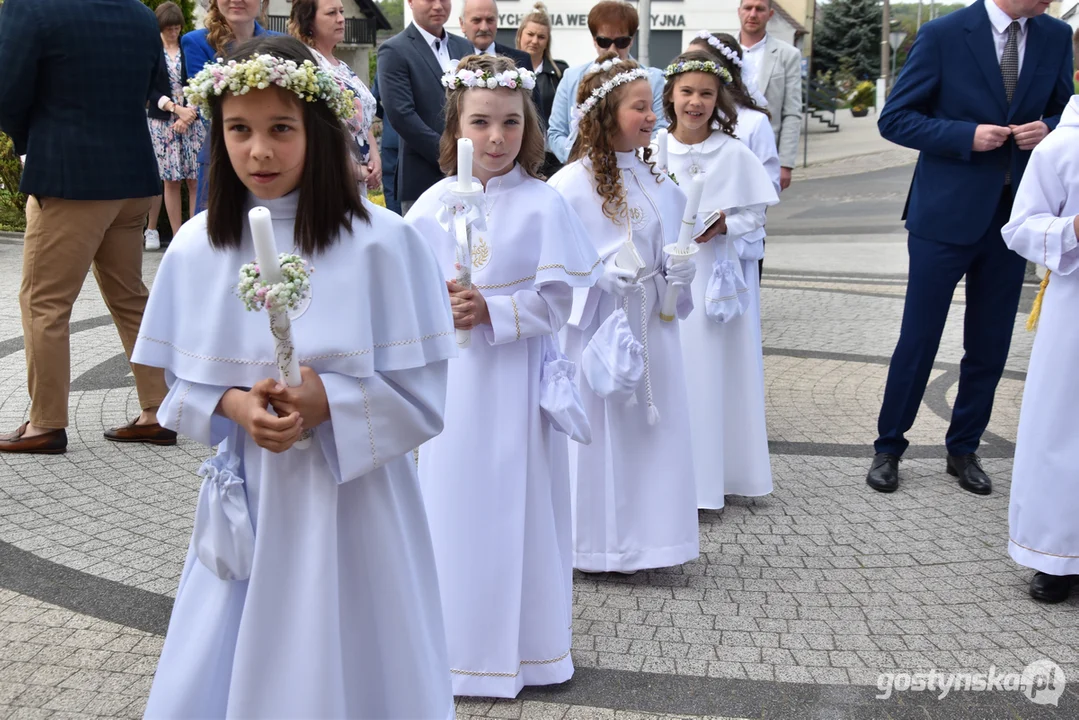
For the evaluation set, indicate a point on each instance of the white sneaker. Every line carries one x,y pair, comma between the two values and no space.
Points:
153,239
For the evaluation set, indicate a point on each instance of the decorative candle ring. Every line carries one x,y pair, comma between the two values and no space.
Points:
289,294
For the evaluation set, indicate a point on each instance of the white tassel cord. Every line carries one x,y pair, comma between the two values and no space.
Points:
653,411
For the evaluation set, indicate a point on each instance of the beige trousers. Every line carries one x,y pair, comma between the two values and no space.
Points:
64,239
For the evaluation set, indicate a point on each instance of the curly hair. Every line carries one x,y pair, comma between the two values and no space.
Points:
737,89
301,21
597,131
532,153
724,112
218,33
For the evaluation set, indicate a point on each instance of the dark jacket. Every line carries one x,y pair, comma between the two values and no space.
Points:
520,57
950,84
76,75
410,81
546,87
162,86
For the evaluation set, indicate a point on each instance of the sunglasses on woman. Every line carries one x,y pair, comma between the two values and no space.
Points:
619,42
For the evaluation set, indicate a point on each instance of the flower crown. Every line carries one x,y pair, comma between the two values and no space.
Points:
601,67
699,66
724,50
511,79
605,89
258,72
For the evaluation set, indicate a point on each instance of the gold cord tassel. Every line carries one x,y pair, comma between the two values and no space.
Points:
1036,309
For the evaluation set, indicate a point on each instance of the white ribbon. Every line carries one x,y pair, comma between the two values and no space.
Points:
475,211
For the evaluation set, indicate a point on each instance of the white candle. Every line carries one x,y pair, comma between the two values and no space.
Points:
661,147
265,246
464,165
689,218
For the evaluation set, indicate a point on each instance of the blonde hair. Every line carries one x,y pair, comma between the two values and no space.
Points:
540,17
531,155
597,131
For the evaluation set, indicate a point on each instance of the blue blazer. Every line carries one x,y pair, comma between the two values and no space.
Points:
951,83
76,75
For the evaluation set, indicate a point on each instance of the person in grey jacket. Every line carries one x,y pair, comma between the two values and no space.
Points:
775,67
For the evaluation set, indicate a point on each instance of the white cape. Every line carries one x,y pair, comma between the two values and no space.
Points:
634,501
496,482
1042,517
724,364
340,616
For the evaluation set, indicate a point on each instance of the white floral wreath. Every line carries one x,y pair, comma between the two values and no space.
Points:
307,80
511,79
699,66
724,50
605,89
601,67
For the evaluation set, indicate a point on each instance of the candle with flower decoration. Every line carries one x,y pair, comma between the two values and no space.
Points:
278,284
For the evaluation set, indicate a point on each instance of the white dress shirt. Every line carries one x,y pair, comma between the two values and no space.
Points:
1000,22
442,51
489,51
752,57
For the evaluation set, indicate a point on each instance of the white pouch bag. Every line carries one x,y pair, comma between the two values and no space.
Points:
560,400
726,295
224,537
613,360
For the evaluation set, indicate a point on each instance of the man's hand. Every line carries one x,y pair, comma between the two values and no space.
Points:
1028,136
990,137
784,178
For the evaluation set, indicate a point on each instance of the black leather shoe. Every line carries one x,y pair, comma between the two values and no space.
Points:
884,473
1050,588
968,468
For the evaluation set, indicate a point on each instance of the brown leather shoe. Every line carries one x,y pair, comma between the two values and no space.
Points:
52,442
151,434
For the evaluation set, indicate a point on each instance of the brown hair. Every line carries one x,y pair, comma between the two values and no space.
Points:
328,198
737,89
169,15
613,12
598,129
724,113
540,17
301,21
532,154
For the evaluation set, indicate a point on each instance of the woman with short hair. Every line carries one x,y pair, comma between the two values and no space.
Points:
320,24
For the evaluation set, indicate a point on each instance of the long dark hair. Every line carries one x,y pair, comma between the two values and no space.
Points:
724,113
328,198
737,89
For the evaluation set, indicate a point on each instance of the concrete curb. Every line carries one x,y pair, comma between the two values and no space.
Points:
6,235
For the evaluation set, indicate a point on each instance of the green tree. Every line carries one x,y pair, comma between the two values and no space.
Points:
849,29
187,6
394,10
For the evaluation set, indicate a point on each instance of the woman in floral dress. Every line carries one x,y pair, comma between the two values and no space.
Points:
320,24
176,132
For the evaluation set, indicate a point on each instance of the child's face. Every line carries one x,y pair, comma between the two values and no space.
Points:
494,121
635,117
695,99
265,140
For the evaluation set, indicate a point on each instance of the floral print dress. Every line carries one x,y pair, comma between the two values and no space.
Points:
177,153
359,126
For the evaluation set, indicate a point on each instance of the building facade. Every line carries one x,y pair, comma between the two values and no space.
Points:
674,23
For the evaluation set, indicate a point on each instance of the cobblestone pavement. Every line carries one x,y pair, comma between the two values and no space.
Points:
798,602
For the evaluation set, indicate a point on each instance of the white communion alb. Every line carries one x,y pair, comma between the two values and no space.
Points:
340,616
1042,517
634,499
496,482
724,364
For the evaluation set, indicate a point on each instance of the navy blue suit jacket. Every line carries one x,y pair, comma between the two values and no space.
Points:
410,80
951,83
73,88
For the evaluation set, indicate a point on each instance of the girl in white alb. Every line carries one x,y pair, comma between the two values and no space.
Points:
722,345
635,502
496,481
310,588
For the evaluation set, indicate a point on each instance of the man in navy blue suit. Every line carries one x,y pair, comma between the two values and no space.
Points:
981,88
76,76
